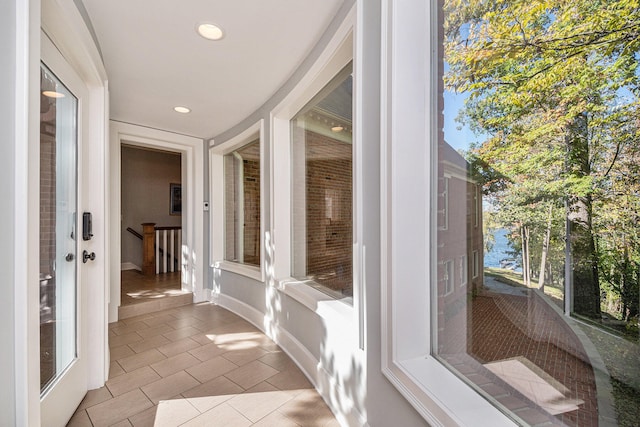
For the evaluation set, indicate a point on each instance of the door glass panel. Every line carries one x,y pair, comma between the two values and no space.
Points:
58,200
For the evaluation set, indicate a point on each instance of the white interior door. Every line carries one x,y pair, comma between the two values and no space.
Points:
63,341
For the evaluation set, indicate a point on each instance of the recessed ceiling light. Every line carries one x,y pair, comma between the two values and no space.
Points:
337,129
52,94
183,110
210,31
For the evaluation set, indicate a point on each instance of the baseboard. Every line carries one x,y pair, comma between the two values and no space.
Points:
129,266
321,380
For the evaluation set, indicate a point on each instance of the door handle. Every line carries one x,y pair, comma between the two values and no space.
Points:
69,257
88,256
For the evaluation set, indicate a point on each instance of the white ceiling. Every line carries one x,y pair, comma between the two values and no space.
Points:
155,60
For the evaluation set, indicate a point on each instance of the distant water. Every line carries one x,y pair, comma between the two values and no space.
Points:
500,250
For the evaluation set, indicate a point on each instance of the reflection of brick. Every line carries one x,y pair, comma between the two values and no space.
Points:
329,212
503,329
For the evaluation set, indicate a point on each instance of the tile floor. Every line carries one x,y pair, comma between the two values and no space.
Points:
199,365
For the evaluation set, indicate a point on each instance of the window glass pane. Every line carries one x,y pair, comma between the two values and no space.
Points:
322,189
58,230
537,186
242,204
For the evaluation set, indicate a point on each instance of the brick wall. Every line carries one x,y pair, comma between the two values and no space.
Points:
459,236
250,158
252,212
47,203
329,216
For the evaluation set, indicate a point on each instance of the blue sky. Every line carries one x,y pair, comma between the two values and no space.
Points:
457,138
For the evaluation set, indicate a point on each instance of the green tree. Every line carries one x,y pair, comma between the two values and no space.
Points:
548,82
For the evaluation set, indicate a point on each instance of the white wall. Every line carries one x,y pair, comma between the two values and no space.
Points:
341,356
7,216
19,107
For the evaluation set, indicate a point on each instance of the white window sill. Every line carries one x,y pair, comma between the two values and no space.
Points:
317,301
441,397
250,271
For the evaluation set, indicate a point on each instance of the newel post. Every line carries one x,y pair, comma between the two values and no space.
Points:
148,251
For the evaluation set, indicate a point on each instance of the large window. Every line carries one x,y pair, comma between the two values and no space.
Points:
242,204
529,137
537,155
322,189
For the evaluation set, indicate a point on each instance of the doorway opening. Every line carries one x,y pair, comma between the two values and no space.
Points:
151,231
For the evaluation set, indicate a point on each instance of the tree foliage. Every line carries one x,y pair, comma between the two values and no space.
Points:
554,86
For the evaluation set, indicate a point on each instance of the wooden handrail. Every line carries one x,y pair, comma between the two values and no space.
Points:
135,233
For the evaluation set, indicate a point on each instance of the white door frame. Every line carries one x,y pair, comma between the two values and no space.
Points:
192,151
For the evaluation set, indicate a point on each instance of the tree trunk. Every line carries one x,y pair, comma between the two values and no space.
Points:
526,260
586,298
545,250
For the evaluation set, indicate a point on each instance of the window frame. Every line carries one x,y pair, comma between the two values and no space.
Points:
335,81
449,276
341,50
475,264
409,221
217,152
464,270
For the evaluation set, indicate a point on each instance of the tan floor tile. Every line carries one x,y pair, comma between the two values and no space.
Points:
118,408
332,423
220,386
145,418
149,343
203,339
156,319
120,340
134,319
155,330
222,415
139,360
211,369
236,327
115,369
93,397
172,413
291,379
257,405
261,388
276,419
120,352
177,347
183,322
278,360
206,352
132,380
130,328
179,334
80,419
169,386
174,364
204,403
307,409
251,374
242,357
124,423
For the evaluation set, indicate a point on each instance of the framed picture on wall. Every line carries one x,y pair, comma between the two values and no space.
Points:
175,199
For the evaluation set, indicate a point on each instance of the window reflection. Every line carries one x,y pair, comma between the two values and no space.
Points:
322,188
537,186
